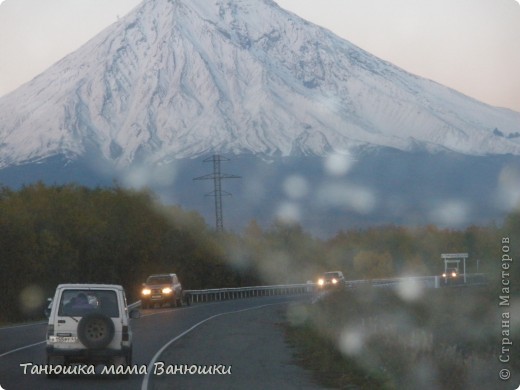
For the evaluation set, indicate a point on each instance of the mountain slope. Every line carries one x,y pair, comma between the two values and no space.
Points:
183,78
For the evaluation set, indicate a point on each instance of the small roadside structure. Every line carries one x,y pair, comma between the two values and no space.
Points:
452,261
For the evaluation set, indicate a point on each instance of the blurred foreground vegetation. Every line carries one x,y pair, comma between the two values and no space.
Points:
374,338
73,234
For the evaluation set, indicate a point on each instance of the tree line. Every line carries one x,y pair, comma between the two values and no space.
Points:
74,234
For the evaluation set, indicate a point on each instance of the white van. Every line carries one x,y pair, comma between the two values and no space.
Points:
89,323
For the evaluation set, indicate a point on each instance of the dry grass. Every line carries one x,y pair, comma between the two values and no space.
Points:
372,338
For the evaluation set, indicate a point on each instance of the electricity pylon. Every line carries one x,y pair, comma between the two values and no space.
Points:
217,192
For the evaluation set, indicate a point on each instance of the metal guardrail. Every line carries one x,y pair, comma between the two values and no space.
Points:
196,296
221,294
422,281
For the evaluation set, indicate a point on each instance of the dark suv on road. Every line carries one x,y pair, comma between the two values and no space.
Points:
161,289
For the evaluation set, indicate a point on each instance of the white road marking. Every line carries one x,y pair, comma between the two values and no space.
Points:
23,325
146,379
19,349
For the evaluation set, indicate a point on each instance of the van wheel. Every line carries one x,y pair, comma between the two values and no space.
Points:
95,330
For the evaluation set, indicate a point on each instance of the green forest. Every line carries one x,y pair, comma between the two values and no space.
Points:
74,234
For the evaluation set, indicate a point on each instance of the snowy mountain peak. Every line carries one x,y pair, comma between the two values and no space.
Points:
182,78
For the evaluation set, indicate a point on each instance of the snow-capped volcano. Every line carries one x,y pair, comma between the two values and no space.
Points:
183,78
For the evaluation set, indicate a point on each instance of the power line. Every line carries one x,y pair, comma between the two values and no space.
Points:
217,192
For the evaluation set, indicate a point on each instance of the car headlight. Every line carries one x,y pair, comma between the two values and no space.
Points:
167,290
453,274
334,281
146,291
321,282
444,275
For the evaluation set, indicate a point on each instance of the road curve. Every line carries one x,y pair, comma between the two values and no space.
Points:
152,332
241,350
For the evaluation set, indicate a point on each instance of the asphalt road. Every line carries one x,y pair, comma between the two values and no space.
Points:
152,334
242,350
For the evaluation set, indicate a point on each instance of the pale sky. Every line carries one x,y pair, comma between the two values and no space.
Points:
469,45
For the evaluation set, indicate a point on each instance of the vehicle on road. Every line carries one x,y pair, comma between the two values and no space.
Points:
89,323
332,279
161,289
451,275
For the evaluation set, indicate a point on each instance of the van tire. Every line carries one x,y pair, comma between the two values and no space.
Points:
96,330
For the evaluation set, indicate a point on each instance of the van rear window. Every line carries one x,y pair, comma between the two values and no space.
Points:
78,303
